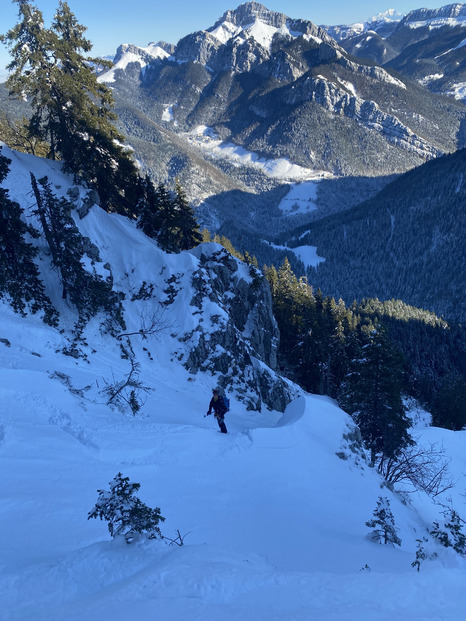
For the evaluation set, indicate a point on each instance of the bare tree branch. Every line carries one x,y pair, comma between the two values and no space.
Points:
152,323
425,468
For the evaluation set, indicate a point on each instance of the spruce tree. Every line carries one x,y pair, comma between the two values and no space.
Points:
188,234
383,523
72,111
87,291
374,397
167,236
127,516
150,209
19,276
450,533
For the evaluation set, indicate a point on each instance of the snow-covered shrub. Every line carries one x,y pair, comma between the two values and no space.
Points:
127,516
422,554
383,523
450,534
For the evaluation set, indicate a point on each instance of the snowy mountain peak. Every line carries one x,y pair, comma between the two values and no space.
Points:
250,12
253,20
392,15
128,53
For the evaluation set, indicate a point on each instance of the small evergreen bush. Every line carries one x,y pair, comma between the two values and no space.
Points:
127,515
383,523
450,534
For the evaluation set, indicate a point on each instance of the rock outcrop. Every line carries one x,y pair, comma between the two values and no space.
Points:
237,336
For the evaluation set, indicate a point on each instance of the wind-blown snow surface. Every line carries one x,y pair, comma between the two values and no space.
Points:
273,520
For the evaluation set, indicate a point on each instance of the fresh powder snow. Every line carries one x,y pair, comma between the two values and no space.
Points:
272,514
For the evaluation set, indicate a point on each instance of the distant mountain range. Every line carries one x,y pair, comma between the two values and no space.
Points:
427,45
285,88
272,123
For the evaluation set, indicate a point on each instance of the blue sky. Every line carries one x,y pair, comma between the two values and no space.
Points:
111,22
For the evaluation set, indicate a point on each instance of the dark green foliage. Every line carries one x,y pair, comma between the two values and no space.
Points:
328,349
373,396
449,409
168,219
72,111
407,242
88,292
434,352
450,534
19,275
127,515
150,207
322,343
187,229
316,332
383,523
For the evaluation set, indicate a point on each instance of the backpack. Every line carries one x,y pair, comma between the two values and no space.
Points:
226,402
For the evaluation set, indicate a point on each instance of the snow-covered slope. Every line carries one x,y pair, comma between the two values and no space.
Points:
272,514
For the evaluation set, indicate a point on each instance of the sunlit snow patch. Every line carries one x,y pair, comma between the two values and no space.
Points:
258,30
307,254
205,138
167,114
430,78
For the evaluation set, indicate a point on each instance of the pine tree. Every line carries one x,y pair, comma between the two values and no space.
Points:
72,111
374,397
187,229
87,291
127,515
450,533
19,275
383,523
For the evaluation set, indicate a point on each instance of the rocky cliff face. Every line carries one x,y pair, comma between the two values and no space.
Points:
237,335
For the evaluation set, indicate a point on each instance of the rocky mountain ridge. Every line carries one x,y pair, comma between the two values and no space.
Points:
427,45
278,88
